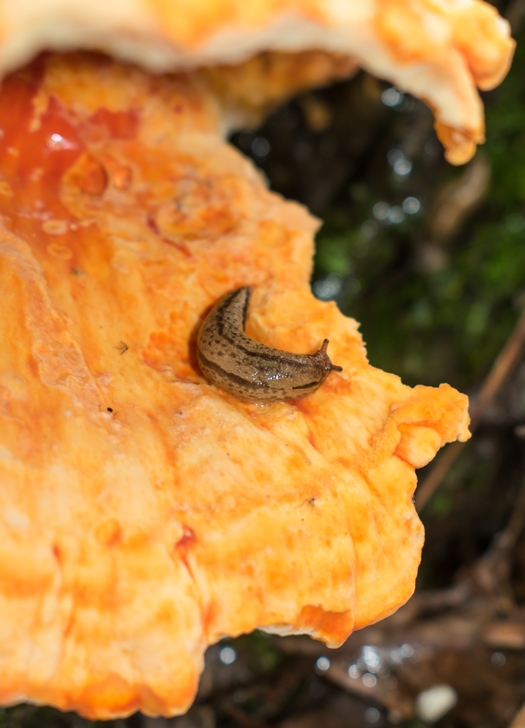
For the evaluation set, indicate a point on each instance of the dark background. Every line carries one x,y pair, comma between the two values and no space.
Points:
431,260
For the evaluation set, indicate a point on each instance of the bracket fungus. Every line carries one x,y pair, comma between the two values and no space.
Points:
146,513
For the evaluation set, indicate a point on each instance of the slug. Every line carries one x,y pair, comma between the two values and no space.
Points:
248,369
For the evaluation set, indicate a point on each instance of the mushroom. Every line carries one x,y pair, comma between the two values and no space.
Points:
147,513
439,51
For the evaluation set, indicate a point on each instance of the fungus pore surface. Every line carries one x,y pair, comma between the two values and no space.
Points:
439,50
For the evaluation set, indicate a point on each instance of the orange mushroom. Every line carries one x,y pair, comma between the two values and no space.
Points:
146,513
436,50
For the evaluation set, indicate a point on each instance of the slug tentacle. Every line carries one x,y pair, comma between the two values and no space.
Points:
333,367
248,369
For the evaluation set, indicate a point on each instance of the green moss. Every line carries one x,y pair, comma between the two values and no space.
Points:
446,321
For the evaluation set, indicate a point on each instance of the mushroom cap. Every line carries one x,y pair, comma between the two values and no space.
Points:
141,518
438,50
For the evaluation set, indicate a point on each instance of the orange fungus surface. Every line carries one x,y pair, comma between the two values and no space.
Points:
145,513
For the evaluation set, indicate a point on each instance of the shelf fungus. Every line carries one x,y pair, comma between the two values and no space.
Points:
147,513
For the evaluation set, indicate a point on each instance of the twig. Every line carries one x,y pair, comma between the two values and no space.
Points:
426,490
240,717
519,719
456,201
491,572
505,362
512,532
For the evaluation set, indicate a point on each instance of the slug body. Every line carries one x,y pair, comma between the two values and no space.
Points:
248,369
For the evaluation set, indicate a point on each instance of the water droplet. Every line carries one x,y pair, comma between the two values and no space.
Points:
391,97
381,210
323,663
411,205
369,680
260,147
407,650
354,672
57,141
371,658
328,288
394,155
372,715
396,656
395,215
227,655
498,659
402,167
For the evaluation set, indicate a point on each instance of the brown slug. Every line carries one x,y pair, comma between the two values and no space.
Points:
248,369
